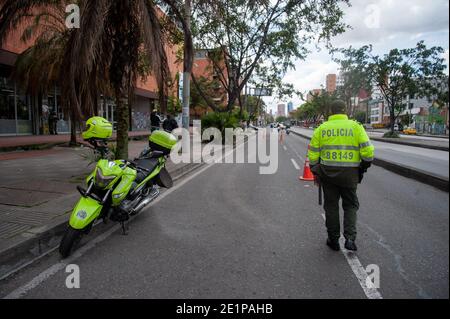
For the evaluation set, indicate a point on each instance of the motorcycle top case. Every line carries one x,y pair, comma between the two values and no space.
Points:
162,141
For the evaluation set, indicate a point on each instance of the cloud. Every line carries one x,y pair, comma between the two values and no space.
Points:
380,21
308,75
386,24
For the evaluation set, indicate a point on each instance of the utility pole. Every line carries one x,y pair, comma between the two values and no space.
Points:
186,73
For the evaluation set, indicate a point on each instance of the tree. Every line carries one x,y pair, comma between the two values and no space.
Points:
306,112
355,77
175,9
246,35
316,108
254,106
106,47
360,117
197,104
38,68
281,119
400,73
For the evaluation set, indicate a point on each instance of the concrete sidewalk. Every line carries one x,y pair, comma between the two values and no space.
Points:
11,143
37,195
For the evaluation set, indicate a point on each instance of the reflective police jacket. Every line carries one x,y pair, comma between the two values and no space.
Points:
339,145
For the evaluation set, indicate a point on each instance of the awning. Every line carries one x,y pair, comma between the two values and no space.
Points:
146,93
7,58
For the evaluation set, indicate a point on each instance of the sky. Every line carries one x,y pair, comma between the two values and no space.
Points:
386,24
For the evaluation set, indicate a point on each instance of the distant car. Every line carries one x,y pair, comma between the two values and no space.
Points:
396,127
410,131
368,126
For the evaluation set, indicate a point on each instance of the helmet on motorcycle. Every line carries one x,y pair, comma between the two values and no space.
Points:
97,128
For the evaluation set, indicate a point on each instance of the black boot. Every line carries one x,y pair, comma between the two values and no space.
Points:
350,245
333,244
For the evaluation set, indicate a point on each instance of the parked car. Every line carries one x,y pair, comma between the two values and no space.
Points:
410,131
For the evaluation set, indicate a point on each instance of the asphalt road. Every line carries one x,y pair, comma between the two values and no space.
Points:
432,161
229,232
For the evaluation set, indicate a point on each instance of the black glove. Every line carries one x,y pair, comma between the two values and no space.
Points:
365,165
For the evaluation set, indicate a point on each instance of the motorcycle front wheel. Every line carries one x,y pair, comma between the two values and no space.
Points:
69,241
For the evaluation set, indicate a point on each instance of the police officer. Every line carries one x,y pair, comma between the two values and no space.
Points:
155,120
339,151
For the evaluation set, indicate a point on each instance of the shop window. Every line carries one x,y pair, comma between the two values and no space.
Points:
7,111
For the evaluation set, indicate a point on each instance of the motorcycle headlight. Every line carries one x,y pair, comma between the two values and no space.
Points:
102,180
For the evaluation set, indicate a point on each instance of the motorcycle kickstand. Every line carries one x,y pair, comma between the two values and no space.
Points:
125,228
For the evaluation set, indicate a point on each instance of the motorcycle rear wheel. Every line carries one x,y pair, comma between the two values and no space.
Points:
70,241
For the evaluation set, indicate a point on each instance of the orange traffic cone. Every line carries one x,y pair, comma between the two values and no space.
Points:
307,174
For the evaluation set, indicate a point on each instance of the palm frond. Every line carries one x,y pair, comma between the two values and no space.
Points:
154,46
86,53
14,12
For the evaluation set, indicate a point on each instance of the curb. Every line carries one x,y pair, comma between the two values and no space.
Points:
30,147
301,135
45,239
406,171
414,173
393,141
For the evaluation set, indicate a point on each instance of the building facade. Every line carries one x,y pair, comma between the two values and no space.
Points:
24,114
281,109
290,107
331,82
203,69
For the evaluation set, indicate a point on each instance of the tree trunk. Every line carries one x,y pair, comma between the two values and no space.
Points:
73,128
367,113
123,119
392,119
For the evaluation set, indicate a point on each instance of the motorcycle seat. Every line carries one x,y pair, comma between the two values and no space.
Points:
149,164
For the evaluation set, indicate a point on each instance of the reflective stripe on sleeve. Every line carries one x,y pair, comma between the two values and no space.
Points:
365,144
367,159
314,149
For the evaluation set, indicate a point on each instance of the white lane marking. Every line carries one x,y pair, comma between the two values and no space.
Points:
295,164
52,270
296,153
284,147
46,274
359,271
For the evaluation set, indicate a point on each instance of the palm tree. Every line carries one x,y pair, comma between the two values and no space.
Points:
38,69
106,47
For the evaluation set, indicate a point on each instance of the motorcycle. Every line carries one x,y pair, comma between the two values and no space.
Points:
118,189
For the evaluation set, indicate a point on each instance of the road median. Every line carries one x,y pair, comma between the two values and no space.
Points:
420,144
439,182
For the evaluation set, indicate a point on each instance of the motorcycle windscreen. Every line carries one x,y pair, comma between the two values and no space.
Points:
164,179
85,212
